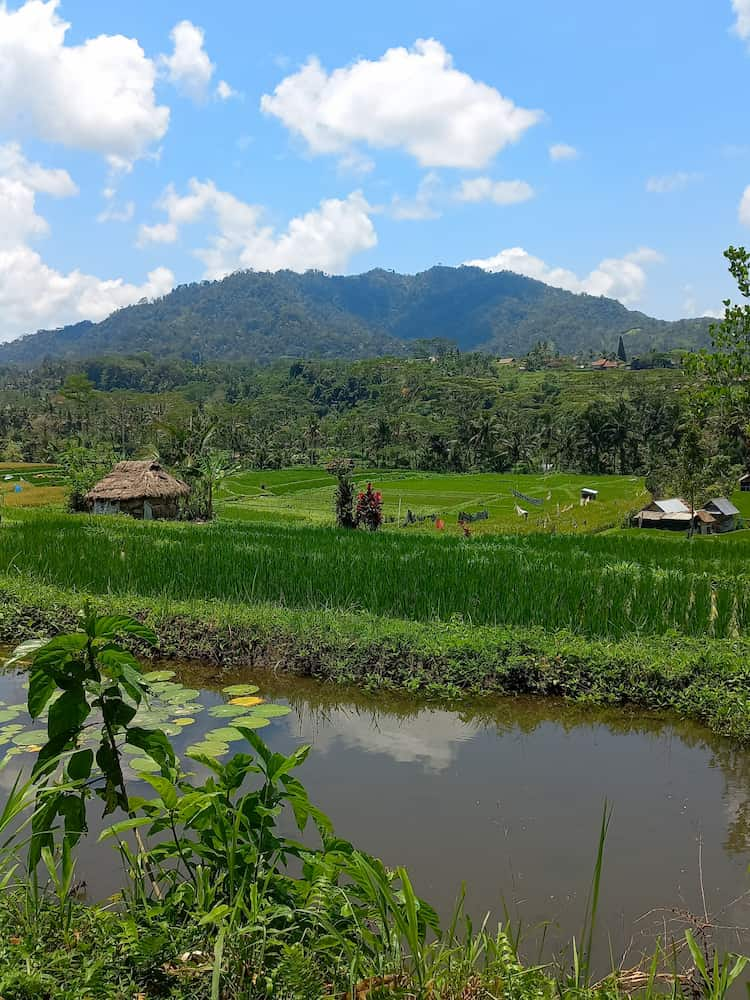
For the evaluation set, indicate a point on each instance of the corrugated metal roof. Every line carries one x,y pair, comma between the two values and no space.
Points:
724,506
673,506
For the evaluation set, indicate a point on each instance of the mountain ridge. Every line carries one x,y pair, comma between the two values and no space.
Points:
261,316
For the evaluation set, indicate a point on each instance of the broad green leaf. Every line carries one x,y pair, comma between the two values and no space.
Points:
80,764
115,625
251,722
32,738
225,734
152,742
226,711
143,764
68,713
41,688
271,711
163,788
158,675
123,827
237,690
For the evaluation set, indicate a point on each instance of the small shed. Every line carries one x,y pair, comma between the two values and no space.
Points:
141,489
723,512
745,483
672,514
588,494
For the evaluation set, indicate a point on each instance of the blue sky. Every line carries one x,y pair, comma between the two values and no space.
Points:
601,147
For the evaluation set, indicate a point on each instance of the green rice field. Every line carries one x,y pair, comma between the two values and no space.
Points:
306,495
610,585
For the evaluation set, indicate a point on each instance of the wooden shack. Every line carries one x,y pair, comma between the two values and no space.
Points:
141,489
723,512
672,514
745,483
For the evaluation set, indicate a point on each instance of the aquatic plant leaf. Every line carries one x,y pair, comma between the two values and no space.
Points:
252,721
225,711
237,690
225,734
144,764
271,711
246,701
184,721
158,675
6,714
209,749
30,738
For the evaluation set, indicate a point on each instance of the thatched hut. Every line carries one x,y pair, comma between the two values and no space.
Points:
141,489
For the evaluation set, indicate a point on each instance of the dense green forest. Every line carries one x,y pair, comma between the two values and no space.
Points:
259,316
458,413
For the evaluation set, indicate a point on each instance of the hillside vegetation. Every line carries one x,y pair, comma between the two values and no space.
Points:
262,316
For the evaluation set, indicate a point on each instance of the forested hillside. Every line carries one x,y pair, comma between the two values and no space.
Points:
259,316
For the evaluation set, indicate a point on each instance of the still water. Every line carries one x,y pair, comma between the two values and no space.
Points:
507,796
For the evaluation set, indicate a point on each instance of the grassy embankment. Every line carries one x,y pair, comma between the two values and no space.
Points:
625,618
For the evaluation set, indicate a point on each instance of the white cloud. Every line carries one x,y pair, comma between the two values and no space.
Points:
97,96
744,209
742,12
114,214
15,166
562,151
324,238
622,278
422,205
409,98
499,192
32,294
189,67
224,91
671,182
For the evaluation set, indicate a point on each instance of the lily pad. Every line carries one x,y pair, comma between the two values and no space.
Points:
271,711
225,734
184,721
144,764
154,676
251,721
246,701
225,711
237,690
209,749
32,738
6,714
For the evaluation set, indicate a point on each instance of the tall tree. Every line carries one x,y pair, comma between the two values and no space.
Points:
621,355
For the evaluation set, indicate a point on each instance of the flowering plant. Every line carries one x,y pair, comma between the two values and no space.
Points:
369,511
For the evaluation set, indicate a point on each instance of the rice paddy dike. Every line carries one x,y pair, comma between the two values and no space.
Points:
628,618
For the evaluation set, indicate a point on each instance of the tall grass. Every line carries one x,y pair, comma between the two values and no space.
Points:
607,586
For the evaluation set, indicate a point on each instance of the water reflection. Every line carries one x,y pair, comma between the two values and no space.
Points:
507,795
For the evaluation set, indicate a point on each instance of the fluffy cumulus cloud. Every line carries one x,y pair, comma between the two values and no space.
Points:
32,294
563,151
666,183
97,96
622,278
188,67
744,210
414,99
742,18
499,192
324,238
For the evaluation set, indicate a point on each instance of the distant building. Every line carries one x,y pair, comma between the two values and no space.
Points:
141,489
669,515
715,517
588,494
745,483
603,365
723,512
505,361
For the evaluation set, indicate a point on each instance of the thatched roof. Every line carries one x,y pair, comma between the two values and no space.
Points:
136,481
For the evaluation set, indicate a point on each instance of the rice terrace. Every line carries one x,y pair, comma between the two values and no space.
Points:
374,501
